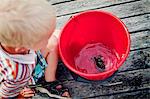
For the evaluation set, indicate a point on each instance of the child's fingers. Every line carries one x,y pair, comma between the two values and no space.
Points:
27,92
29,95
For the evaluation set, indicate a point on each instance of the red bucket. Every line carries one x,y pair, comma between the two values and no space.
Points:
93,27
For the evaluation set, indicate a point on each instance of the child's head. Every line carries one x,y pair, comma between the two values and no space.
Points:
26,23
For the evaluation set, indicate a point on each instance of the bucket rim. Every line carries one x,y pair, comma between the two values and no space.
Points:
101,73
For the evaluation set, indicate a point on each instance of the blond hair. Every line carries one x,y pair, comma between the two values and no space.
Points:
24,23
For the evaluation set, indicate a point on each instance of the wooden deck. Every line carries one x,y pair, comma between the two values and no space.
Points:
133,78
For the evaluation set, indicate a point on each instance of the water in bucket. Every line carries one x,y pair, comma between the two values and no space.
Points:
96,58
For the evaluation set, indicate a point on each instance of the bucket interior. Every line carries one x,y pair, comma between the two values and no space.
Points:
89,28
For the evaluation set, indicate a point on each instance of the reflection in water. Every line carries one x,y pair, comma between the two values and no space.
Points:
95,58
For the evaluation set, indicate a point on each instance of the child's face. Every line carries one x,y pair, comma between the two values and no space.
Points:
21,50
14,50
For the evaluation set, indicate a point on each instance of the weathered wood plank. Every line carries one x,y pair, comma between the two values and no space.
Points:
82,5
122,11
124,82
139,59
129,9
135,23
141,94
58,1
140,40
130,81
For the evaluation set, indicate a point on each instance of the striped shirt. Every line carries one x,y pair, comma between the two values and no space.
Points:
15,72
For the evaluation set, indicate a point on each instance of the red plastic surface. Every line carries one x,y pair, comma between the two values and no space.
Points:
92,27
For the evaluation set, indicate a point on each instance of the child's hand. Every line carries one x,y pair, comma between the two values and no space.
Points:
27,93
52,43
57,33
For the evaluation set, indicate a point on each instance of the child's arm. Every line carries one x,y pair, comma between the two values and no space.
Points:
50,54
53,41
50,47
